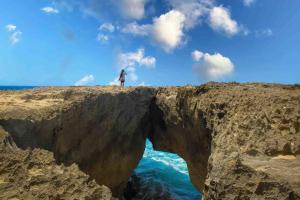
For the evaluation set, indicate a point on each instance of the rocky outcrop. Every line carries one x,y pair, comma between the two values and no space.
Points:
102,129
34,174
240,141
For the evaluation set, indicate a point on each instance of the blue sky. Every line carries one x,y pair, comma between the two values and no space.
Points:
158,42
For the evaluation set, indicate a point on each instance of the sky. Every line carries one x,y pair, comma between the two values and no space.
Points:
157,42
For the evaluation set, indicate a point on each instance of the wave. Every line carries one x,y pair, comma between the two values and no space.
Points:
162,175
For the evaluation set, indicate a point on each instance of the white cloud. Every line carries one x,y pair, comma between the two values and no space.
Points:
105,30
133,59
138,30
133,9
148,61
194,10
213,66
107,27
102,38
11,27
197,55
130,61
15,37
168,30
220,20
248,2
85,80
50,10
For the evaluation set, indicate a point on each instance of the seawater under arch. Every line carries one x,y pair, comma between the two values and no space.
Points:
162,175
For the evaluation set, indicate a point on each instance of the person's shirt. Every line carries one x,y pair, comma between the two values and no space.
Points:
122,76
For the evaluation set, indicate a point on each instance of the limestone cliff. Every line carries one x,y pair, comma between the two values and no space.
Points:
240,141
101,128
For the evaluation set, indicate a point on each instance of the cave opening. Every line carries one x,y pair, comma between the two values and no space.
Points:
160,175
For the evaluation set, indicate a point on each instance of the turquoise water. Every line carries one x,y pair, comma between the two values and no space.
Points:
162,175
165,172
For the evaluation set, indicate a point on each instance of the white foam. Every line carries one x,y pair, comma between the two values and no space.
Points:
168,159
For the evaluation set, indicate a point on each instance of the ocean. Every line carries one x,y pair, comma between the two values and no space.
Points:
161,176
164,173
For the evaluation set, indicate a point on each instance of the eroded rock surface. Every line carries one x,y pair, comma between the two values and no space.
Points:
240,141
34,174
102,129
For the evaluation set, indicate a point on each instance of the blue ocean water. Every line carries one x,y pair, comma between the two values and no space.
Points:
163,175
16,87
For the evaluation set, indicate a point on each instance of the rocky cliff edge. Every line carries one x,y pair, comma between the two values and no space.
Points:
240,141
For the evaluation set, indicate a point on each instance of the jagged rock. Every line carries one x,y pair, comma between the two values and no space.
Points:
139,187
99,128
33,174
240,141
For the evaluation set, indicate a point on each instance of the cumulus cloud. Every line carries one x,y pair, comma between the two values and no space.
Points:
109,27
213,66
130,61
11,27
248,2
137,30
85,80
133,9
15,35
138,58
194,10
106,30
197,55
50,10
168,29
220,20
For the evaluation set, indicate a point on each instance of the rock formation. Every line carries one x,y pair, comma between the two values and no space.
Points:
100,129
33,174
240,141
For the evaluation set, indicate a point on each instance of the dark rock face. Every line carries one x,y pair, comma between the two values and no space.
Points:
139,188
240,141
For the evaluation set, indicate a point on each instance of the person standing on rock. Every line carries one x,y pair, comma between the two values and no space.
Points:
122,77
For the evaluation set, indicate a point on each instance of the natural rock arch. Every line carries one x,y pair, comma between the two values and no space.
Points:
227,133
